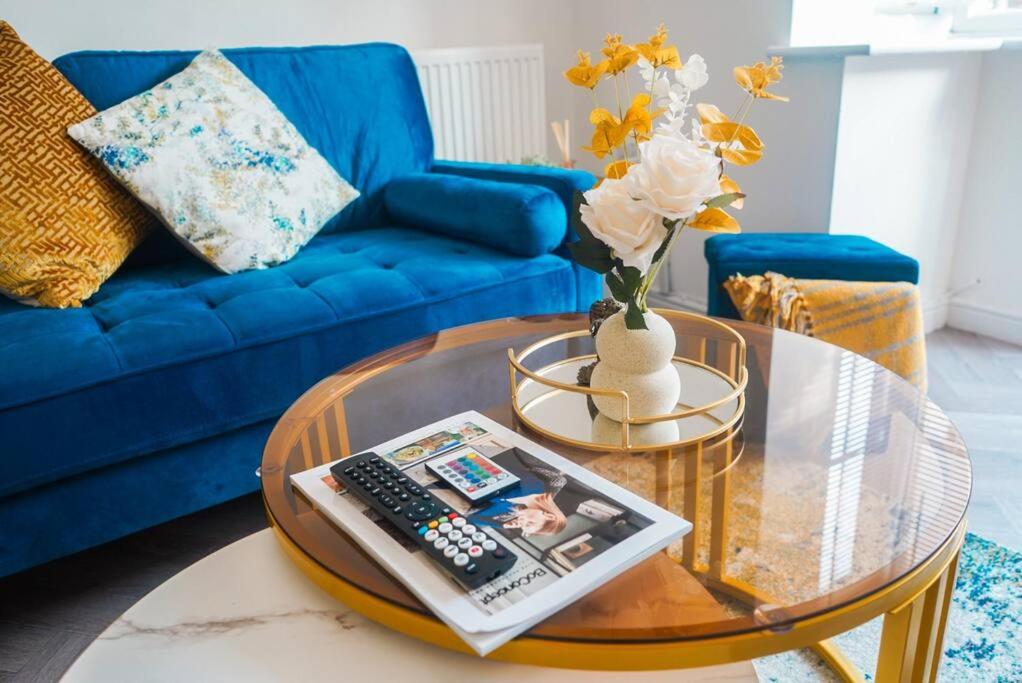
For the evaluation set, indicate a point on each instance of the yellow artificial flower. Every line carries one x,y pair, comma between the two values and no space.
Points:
619,56
616,169
756,78
727,186
608,132
584,73
639,118
739,144
655,52
714,220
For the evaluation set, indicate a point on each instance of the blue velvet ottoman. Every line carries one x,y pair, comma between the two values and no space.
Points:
802,255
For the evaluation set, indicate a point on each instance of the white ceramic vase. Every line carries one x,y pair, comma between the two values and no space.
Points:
638,362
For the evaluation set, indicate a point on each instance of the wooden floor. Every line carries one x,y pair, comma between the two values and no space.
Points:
48,615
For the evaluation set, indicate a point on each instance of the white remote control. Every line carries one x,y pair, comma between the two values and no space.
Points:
471,474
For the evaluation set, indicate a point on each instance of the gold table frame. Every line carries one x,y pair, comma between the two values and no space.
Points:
914,607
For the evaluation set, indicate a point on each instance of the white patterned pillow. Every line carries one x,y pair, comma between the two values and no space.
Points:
217,161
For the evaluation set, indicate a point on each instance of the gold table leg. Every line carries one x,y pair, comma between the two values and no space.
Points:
912,640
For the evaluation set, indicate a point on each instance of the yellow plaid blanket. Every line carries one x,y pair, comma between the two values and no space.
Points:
880,320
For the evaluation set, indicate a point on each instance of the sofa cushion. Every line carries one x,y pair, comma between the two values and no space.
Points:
216,160
522,219
172,354
360,106
65,224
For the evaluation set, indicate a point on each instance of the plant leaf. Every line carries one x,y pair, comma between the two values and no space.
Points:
634,319
729,185
632,278
714,220
662,249
616,169
728,132
617,288
709,113
592,255
726,199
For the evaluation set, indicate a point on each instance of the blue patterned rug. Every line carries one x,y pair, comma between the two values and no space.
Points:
983,641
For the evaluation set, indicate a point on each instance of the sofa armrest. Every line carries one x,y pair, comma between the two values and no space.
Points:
562,181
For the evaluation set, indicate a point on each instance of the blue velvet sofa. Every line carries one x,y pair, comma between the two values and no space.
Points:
155,399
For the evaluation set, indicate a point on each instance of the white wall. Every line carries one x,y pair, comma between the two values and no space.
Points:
55,27
989,244
902,153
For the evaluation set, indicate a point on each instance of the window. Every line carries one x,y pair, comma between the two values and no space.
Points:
988,17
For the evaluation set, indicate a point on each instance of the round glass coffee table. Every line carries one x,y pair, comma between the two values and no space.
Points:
839,497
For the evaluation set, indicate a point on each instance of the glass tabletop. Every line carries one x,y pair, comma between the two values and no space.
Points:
839,480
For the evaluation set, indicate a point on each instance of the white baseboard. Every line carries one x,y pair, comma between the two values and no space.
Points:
680,300
985,321
935,314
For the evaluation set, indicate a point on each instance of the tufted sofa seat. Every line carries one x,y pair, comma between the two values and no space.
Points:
156,398
199,353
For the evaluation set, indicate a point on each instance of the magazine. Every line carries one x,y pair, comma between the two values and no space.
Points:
570,529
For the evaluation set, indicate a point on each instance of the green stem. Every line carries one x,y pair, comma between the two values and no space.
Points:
647,282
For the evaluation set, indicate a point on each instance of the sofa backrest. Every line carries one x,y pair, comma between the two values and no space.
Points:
359,105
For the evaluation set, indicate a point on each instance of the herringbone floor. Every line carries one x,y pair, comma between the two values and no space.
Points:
48,615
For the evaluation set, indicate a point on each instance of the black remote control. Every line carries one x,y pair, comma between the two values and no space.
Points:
464,551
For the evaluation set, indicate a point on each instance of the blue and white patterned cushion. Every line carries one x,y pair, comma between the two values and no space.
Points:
218,162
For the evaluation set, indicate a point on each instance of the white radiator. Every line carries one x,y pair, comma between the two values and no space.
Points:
485,103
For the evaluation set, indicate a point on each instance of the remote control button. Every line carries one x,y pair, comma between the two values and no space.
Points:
470,456
396,509
458,522
412,488
443,520
500,553
374,460
446,511
403,496
478,537
454,535
441,543
434,524
464,543
387,500
452,515
426,496
444,527
468,529
475,551
450,551
420,510
368,486
402,480
491,481
362,465
502,475
349,469
489,544
460,560
470,489
471,568
360,479
375,491
423,531
430,535
374,475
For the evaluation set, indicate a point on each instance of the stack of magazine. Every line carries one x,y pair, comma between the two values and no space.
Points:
600,531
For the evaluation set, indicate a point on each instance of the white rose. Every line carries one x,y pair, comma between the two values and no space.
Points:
693,75
623,224
674,177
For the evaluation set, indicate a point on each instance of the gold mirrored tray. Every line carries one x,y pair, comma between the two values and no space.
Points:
710,364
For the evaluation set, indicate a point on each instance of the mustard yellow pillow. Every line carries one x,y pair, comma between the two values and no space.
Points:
65,223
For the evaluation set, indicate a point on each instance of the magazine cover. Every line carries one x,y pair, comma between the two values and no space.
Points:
570,529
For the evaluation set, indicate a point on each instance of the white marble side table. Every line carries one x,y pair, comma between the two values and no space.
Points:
246,613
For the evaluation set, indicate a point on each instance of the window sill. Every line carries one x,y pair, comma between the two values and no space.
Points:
878,49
